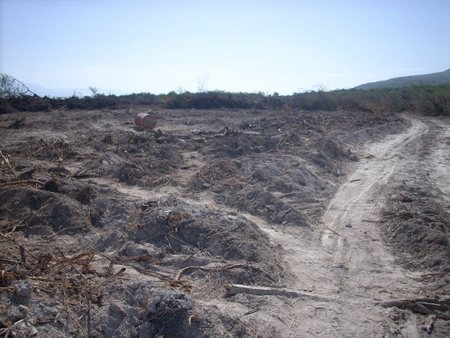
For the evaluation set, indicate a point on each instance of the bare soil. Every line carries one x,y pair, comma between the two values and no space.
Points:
111,231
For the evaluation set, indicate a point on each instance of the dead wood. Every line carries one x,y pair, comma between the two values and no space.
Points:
32,183
251,311
115,260
329,229
216,268
62,230
8,164
16,124
233,289
85,174
429,306
42,208
9,228
147,272
21,247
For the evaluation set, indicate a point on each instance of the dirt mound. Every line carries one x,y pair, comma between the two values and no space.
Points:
329,156
53,150
417,225
32,209
265,204
237,144
145,167
264,186
178,228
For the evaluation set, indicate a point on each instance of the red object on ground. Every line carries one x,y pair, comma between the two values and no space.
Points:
145,121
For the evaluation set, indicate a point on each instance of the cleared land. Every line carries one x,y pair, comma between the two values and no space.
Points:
225,222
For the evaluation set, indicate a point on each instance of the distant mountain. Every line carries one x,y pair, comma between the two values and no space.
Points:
435,79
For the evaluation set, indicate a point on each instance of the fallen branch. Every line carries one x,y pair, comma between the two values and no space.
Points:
42,208
8,163
21,247
188,268
25,182
329,229
85,174
427,306
11,228
147,272
17,123
370,221
218,268
251,311
233,289
62,230
115,260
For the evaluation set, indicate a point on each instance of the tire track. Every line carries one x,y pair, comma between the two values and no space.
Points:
347,261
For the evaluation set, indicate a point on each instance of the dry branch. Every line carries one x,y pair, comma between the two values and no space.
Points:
42,208
24,182
16,124
233,289
429,306
333,231
8,163
215,268
251,311
115,260
21,247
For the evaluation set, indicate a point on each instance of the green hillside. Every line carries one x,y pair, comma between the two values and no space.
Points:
434,79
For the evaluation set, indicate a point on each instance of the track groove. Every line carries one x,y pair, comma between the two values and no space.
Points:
346,260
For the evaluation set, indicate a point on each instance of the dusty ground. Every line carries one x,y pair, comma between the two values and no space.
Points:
111,231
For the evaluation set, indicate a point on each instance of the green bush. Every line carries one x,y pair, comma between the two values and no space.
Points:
431,100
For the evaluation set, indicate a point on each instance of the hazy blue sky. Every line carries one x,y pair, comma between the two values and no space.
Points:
159,46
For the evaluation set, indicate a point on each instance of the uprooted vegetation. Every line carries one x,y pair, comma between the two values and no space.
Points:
110,231
418,227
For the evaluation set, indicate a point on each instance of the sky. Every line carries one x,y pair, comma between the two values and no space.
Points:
126,46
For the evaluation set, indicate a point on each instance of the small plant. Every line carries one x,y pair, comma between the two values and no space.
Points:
94,91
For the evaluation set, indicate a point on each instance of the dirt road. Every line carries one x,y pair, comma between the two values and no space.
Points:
346,262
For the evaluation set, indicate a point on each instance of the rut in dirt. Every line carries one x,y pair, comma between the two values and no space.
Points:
353,214
346,261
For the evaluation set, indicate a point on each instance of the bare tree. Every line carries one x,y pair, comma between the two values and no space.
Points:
94,91
11,87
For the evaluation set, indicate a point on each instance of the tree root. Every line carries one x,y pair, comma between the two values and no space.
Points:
209,269
233,289
428,306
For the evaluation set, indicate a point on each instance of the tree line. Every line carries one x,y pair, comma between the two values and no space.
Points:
425,99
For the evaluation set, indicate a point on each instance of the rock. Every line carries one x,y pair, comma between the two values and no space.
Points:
353,158
23,288
147,329
116,310
168,299
135,249
32,331
24,329
24,309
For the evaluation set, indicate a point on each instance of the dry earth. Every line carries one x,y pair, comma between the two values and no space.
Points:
107,230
